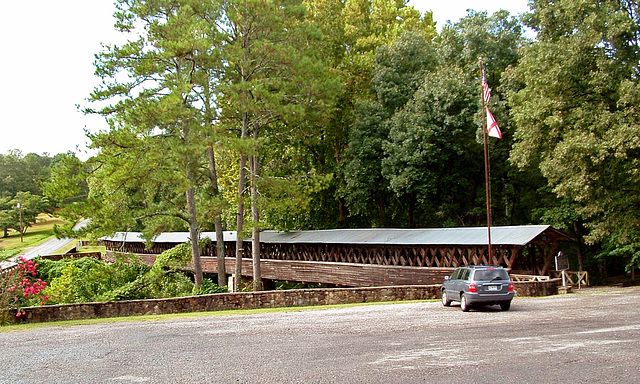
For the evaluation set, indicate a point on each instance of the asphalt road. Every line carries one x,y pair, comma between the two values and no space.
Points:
46,248
578,338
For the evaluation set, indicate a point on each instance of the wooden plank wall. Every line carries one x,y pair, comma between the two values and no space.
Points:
341,274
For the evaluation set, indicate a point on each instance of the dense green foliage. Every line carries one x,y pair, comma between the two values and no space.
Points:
334,113
90,280
574,99
21,183
413,156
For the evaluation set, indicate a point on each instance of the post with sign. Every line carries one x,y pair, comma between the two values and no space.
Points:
562,264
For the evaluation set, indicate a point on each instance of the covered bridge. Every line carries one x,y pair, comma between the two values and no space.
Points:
372,257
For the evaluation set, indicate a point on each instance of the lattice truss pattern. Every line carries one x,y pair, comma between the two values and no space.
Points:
538,258
405,256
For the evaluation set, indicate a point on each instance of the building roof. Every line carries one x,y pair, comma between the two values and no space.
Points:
503,235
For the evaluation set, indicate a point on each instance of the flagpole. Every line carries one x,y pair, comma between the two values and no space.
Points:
486,164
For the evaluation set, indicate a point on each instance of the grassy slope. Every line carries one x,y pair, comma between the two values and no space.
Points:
38,233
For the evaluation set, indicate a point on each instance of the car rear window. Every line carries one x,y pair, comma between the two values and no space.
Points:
491,274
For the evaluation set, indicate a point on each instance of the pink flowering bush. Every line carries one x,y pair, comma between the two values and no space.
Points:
20,287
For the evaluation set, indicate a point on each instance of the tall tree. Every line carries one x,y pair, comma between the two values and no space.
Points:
156,145
575,102
416,144
497,38
22,175
432,156
22,211
274,80
399,71
353,31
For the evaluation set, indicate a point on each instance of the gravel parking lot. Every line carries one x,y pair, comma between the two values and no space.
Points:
590,337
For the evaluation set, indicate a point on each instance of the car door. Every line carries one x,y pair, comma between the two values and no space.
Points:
451,285
458,284
463,280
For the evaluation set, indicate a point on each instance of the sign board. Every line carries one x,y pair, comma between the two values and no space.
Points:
562,262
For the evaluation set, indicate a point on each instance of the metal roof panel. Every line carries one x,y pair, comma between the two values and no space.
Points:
505,235
502,235
166,237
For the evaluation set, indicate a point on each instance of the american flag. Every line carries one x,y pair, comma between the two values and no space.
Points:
486,91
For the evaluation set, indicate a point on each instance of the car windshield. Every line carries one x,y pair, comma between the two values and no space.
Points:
491,274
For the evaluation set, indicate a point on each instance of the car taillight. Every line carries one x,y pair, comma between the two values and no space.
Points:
472,288
511,287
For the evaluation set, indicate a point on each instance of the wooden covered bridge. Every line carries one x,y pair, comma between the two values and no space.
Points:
369,257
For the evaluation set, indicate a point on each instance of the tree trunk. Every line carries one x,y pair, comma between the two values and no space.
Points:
344,212
240,224
21,227
255,215
240,219
411,221
220,247
194,237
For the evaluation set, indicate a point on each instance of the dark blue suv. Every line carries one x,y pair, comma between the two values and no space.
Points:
478,285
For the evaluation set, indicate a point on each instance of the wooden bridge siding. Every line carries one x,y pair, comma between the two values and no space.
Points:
345,264
401,256
405,256
345,274
158,248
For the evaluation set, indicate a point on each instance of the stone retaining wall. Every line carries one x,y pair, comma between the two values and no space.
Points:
253,300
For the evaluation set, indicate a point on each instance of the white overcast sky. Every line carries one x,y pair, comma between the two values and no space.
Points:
46,66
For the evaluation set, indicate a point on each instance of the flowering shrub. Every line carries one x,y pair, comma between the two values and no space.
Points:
20,287
91,280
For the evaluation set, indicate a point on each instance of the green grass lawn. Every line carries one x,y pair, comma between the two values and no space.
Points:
38,233
93,248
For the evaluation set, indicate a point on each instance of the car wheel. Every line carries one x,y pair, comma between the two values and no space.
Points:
463,304
445,300
505,306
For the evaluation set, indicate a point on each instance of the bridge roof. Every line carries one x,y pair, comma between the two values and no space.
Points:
165,237
503,235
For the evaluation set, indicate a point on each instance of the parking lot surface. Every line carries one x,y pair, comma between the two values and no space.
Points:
591,337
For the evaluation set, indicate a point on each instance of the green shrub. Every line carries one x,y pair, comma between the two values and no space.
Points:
88,279
63,288
208,287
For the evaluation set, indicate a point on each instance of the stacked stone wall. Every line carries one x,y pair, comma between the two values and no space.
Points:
254,300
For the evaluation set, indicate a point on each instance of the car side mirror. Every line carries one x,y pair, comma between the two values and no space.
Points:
446,278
